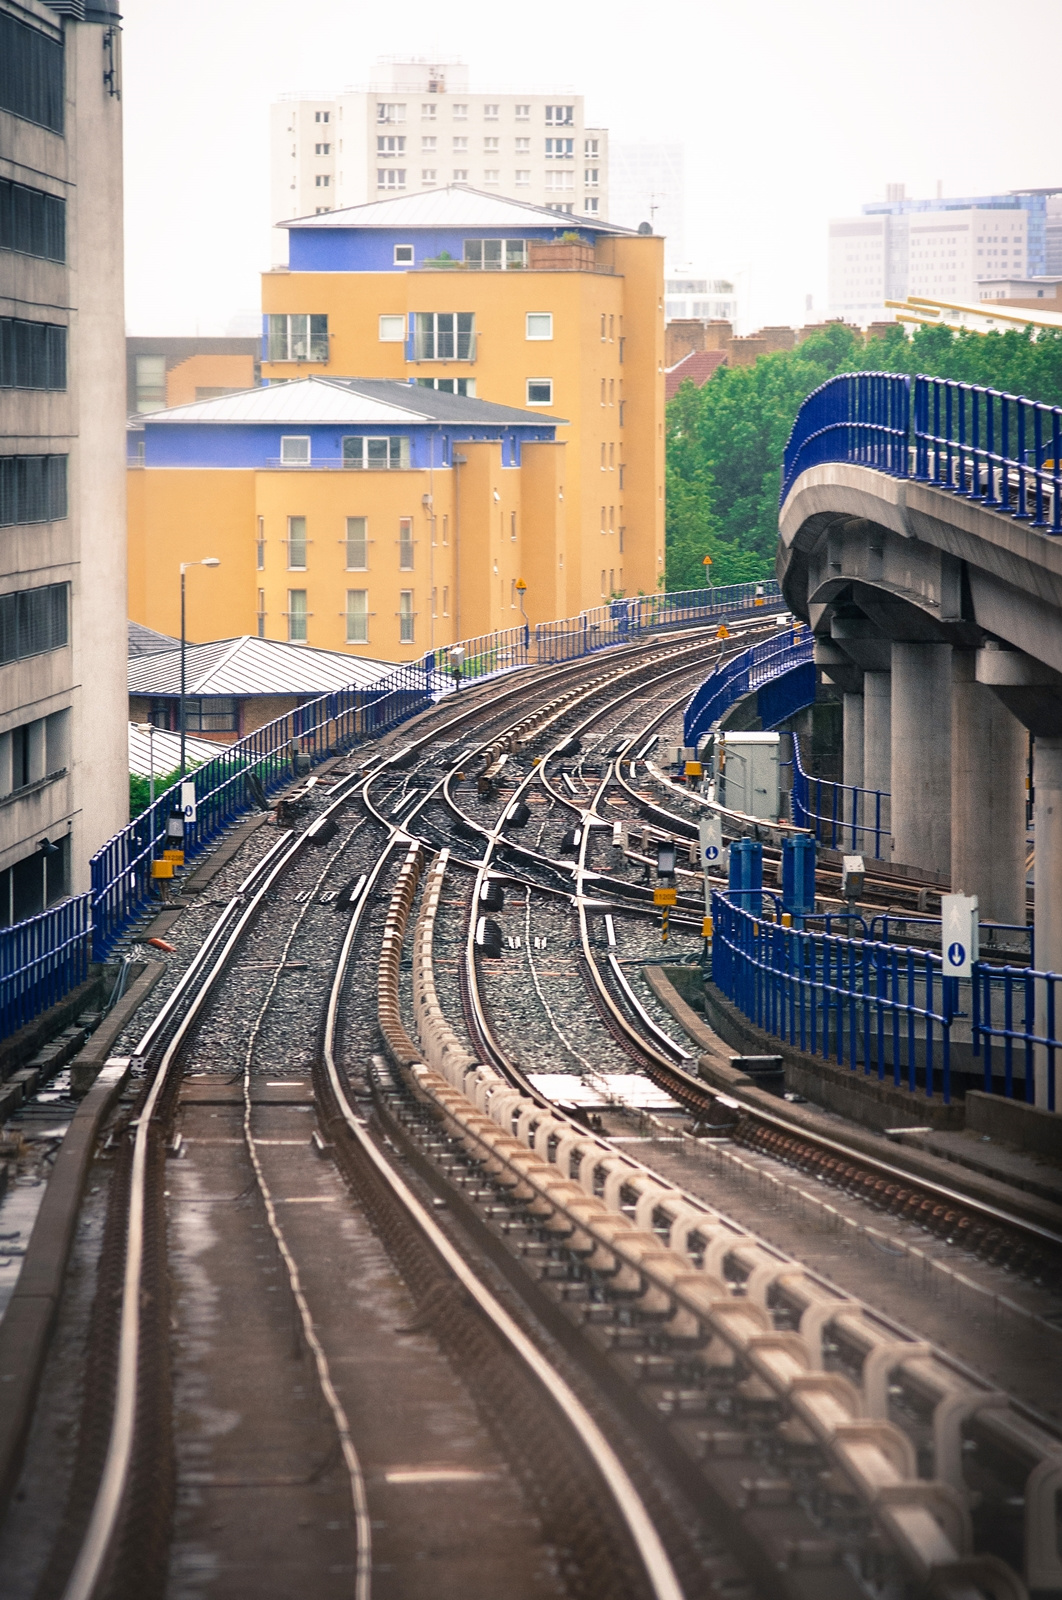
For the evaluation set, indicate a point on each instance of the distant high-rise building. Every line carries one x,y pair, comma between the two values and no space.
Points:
419,127
943,249
647,184
692,294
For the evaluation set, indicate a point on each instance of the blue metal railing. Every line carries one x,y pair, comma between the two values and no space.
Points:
840,815
883,1007
759,665
999,449
42,959
863,417
889,1008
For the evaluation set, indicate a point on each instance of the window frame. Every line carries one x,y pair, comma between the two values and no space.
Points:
315,334
397,335
353,544
538,316
406,545
407,618
287,460
296,543
297,615
353,617
398,452
541,382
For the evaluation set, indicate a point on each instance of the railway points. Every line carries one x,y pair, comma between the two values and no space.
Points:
436,1255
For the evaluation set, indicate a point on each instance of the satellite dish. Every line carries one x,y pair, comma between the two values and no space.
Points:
645,227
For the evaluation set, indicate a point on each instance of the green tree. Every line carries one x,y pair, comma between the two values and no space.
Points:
725,441
140,789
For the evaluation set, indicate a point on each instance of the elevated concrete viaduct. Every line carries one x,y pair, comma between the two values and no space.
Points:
940,619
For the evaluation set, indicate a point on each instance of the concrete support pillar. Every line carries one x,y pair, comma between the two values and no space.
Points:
988,748
853,740
1047,881
877,730
921,756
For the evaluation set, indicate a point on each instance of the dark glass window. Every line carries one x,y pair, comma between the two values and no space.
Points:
211,714
32,354
33,621
32,222
34,883
32,489
31,74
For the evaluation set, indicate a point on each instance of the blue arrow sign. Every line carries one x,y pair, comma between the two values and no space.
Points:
957,954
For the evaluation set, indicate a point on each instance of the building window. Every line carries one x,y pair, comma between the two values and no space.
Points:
405,544
460,144
322,116
297,615
540,391
591,176
429,144
390,177
523,147
32,222
603,583
427,111
465,386
259,546
391,144
322,180
523,178
512,527
460,175
295,450
560,149
357,544
612,458
622,533
491,175
297,544
604,519
321,211
322,149
211,714
622,474
405,616
590,150
491,144
540,324
590,205
560,116
375,455
446,600
434,602
261,614
33,883
444,336
387,111
523,113
559,181
32,489
460,113
428,175
31,85
496,255
32,354
602,447
559,205
33,621
293,336
446,530
403,255
357,616
150,383
392,329
490,113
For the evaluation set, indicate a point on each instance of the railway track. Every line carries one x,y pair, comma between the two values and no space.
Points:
662,1402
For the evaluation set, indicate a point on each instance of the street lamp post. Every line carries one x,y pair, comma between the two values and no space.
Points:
207,561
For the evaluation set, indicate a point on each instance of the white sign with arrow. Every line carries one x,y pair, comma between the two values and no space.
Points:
959,934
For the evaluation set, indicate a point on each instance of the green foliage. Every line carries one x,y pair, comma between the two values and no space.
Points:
140,789
725,441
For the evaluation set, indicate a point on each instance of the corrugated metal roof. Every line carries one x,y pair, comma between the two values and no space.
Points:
167,751
352,402
146,642
250,666
456,206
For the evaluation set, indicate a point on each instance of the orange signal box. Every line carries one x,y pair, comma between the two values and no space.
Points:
665,897
162,869
693,769
176,856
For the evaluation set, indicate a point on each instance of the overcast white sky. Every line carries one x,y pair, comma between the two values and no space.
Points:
789,112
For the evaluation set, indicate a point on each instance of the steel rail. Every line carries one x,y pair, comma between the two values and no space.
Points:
657,1566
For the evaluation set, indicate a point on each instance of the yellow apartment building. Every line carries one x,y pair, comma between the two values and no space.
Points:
371,516
526,307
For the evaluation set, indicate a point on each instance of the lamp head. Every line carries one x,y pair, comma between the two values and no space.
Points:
210,561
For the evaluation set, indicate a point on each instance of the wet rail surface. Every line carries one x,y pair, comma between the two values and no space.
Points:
306,1355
